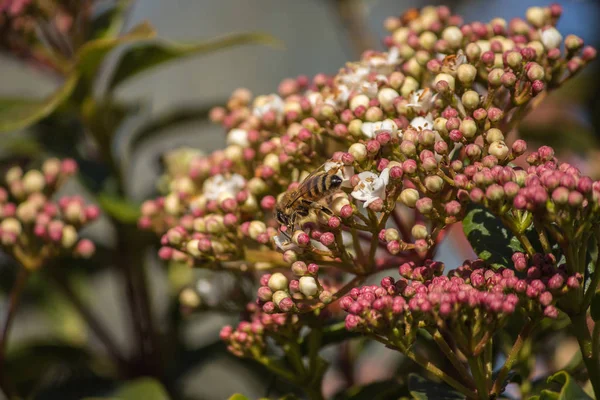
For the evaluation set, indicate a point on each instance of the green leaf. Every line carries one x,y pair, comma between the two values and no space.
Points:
119,208
238,396
569,389
595,307
149,55
490,239
591,261
109,23
91,54
19,113
143,388
423,389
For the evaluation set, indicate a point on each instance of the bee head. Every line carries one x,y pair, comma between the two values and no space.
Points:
336,181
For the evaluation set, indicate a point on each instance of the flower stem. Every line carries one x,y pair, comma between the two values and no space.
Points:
480,378
96,326
451,355
591,358
13,303
512,357
433,369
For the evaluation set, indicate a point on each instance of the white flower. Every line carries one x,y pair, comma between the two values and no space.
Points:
421,123
217,185
371,187
264,104
344,171
284,243
371,129
308,286
551,38
421,100
238,137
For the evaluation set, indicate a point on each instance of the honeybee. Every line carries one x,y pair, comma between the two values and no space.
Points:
318,185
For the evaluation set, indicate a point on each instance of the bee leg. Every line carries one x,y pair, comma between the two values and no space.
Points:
316,206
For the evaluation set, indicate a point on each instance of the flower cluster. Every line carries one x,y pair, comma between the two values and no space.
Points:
34,228
34,29
248,339
470,302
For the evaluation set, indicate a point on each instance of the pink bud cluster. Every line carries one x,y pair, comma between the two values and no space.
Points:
33,228
248,339
424,298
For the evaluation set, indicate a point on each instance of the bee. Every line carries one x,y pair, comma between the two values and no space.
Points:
318,185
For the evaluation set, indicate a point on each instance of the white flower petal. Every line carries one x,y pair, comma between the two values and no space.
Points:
238,137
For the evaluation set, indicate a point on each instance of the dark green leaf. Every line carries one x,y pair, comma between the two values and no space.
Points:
569,389
91,55
388,389
595,307
149,55
490,239
19,113
110,22
423,389
143,388
119,208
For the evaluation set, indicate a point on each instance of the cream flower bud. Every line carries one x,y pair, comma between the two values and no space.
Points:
308,286
51,167
445,77
11,225
256,228
386,97
192,248
238,137
359,100
409,197
466,73
453,36
13,174
257,186
272,161
536,16
172,204
494,135
234,153
33,181
338,203
358,151
551,38
250,205
279,295
499,150
69,236
427,40
199,225
410,85
277,281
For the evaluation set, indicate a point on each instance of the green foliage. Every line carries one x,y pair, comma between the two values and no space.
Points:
568,389
143,388
238,396
19,113
423,389
119,208
155,53
490,239
388,389
109,23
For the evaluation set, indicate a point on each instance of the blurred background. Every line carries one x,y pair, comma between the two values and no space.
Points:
319,36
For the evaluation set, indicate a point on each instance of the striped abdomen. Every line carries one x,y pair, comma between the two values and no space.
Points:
321,185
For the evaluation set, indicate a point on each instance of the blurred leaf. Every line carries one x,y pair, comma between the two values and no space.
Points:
109,23
19,113
149,55
104,117
423,389
595,307
30,364
238,396
490,239
569,389
91,54
388,389
64,319
142,389
119,208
